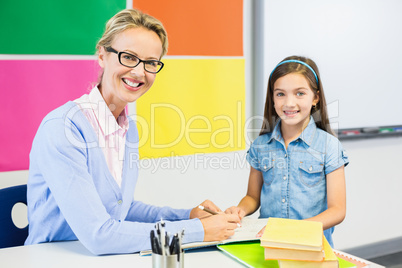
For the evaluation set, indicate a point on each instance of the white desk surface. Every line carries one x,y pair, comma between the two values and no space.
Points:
73,254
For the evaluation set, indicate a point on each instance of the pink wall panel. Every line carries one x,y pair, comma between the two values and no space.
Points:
29,89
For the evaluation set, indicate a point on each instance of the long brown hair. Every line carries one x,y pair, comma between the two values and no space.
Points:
319,112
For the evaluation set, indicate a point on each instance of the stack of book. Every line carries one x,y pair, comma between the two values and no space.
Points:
297,243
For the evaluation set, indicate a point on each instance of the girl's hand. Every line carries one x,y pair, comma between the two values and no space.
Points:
237,211
260,233
199,213
219,227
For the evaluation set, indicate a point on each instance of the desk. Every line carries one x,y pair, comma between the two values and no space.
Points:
73,254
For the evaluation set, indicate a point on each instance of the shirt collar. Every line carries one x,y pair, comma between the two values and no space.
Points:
105,118
276,133
307,135
309,132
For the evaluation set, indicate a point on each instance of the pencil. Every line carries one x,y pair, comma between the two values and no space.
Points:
208,210
213,212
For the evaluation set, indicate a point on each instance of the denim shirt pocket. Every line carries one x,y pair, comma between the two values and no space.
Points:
311,172
266,167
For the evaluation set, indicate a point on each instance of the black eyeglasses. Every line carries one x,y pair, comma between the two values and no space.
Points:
131,61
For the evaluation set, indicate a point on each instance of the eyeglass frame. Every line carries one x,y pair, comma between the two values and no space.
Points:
110,49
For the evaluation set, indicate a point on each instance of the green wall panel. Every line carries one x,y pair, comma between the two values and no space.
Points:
60,27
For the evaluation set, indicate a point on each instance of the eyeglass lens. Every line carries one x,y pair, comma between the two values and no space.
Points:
132,61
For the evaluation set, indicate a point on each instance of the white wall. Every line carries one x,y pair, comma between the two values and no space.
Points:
374,192
356,45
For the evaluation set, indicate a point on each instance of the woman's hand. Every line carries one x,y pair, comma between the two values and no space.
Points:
219,227
199,213
237,211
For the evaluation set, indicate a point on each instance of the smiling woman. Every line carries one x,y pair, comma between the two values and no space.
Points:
79,186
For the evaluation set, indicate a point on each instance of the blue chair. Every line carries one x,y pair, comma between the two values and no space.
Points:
11,235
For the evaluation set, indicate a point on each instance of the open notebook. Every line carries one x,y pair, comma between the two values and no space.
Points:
247,232
347,258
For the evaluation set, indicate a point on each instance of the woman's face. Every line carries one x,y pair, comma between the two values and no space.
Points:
121,85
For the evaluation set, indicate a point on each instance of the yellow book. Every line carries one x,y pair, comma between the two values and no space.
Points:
293,254
330,260
293,234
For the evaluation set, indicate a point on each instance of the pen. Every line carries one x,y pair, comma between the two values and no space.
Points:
155,243
162,237
213,212
173,245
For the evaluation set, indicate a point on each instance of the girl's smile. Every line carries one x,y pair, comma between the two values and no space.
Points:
291,113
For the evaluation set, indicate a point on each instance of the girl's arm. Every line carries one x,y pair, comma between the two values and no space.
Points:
251,202
336,198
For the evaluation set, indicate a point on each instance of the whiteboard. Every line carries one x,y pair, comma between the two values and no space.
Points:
357,46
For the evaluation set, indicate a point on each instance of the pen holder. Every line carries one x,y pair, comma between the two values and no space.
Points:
168,261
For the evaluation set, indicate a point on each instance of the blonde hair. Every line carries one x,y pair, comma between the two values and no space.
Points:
132,18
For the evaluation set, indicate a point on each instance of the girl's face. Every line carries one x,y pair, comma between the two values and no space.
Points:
293,99
121,85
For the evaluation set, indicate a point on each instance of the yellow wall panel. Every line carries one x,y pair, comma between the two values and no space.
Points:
195,106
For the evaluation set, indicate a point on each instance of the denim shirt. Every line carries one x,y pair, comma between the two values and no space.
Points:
295,178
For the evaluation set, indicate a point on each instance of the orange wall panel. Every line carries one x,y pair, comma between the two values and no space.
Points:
201,28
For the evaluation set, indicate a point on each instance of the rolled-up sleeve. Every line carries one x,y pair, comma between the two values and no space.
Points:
335,155
252,157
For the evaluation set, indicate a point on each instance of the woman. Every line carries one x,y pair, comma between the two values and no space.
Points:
81,184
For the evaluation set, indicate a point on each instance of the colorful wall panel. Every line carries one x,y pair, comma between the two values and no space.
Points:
29,90
208,27
54,27
197,104
33,80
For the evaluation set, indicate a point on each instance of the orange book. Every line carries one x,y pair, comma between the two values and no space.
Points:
330,260
293,234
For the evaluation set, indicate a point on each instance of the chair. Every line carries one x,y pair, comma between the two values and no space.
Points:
11,235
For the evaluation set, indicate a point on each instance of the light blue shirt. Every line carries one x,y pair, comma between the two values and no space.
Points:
72,195
295,178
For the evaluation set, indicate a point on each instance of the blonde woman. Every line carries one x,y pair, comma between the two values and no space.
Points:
81,184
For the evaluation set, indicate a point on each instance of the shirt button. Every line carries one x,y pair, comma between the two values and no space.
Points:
284,178
265,167
119,202
286,155
310,168
283,200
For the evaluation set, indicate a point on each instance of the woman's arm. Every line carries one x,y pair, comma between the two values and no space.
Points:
251,202
64,169
336,198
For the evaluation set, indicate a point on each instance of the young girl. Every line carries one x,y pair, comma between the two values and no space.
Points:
297,165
